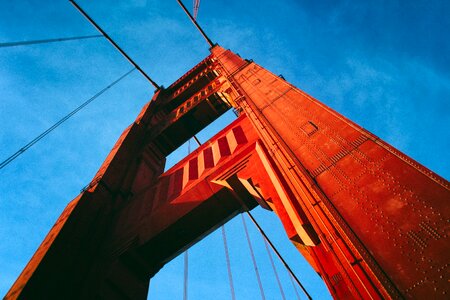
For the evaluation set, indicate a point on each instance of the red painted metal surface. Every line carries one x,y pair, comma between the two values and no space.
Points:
381,217
371,221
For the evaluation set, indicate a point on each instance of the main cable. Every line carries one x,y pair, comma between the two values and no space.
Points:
210,43
24,43
54,126
114,43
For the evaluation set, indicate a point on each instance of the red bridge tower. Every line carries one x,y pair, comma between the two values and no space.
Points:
370,220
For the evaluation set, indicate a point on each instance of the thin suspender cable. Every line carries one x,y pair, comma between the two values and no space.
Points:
276,252
186,273
274,269
225,245
114,43
24,43
186,254
253,258
245,207
54,126
294,286
227,257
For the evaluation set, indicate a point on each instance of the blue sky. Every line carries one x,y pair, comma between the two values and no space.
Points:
383,64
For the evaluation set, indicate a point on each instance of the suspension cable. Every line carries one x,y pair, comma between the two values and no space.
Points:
197,141
253,258
276,252
24,43
186,273
114,44
57,124
246,210
294,286
227,257
274,269
186,254
210,43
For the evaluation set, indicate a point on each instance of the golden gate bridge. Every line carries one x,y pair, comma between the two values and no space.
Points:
217,83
